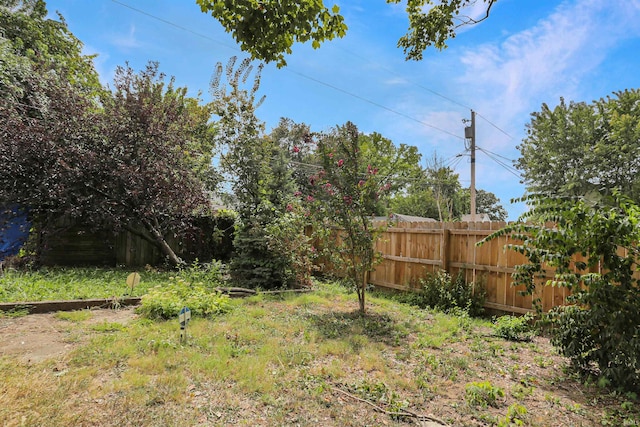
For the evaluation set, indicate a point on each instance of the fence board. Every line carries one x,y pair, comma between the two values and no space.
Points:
409,250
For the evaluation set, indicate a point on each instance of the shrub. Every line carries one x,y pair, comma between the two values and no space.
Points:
514,328
165,302
593,248
440,291
210,274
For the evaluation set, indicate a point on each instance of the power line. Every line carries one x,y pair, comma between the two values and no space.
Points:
390,71
494,125
173,24
495,154
501,163
294,72
376,104
453,101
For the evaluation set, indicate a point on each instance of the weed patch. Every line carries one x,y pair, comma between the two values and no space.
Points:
483,394
515,328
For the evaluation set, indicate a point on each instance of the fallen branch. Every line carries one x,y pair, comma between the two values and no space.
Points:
404,413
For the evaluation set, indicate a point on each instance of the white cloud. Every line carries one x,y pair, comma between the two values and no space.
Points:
557,57
394,81
548,60
126,41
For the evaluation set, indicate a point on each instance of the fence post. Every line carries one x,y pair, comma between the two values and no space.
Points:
446,236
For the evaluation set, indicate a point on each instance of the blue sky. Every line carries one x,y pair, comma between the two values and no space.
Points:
527,53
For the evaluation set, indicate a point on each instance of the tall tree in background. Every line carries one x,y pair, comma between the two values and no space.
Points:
438,194
261,181
445,186
398,166
267,29
578,148
486,203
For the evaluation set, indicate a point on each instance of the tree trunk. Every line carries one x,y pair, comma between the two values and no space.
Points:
362,292
163,245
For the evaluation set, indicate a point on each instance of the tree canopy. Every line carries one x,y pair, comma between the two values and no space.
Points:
46,43
578,148
267,29
137,156
436,193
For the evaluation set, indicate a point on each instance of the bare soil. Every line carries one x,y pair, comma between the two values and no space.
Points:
38,337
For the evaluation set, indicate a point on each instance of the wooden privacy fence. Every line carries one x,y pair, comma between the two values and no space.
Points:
409,250
76,245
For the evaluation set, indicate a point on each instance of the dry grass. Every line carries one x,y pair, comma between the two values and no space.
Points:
302,360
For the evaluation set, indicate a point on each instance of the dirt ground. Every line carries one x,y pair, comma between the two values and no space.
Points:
38,337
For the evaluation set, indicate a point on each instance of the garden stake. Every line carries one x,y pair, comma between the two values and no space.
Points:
184,317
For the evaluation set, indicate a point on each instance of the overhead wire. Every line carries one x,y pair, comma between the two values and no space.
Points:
494,125
501,163
495,154
376,104
453,163
292,71
390,71
453,101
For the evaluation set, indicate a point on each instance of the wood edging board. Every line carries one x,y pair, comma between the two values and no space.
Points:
48,306
37,307
508,308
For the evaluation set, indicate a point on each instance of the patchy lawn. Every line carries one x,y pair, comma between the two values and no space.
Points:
305,360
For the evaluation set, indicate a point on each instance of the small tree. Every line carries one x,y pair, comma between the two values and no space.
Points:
150,169
343,200
602,328
262,185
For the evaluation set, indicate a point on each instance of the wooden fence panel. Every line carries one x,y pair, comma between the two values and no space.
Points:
410,250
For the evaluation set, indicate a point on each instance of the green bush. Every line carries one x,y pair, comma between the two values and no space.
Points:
514,328
165,302
440,291
209,274
593,248
602,337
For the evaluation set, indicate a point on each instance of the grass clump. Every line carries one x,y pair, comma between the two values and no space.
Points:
516,416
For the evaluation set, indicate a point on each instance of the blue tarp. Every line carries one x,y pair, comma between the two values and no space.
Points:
14,230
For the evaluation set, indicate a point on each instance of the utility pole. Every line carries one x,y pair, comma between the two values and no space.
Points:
470,134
